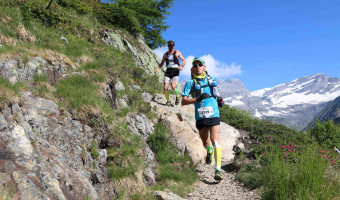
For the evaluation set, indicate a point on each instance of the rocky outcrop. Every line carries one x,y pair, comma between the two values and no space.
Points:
18,70
144,57
141,125
45,155
184,135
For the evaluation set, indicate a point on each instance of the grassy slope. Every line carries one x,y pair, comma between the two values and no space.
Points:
82,94
288,164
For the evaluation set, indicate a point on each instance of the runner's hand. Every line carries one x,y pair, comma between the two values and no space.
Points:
203,96
180,68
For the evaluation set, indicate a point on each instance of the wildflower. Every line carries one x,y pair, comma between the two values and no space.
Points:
264,153
286,154
322,151
333,162
269,136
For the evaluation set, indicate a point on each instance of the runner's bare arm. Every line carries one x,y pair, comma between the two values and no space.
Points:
182,58
186,100
161,64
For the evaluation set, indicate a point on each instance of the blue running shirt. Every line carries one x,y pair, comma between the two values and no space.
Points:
207,108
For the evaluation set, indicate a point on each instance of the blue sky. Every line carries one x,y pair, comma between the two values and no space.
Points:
262,43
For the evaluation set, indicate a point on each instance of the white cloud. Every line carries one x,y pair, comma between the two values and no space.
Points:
214,67
161,51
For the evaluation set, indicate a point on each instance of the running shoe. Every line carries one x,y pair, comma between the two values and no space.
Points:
218,175
208,159
168,103
177,100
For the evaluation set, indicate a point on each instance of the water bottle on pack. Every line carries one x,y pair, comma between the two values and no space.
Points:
197,90
213,84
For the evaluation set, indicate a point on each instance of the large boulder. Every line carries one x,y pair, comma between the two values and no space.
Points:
144,57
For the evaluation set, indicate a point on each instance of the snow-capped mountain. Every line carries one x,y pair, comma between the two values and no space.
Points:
232,87
294,104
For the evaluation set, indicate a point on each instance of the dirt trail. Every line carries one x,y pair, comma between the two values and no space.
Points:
228,188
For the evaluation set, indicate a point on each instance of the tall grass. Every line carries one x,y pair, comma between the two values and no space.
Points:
9,92
126,158
287,162
304,177
80,93
172,165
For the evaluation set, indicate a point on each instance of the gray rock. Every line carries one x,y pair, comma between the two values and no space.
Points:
102,156
136,87
64,39
119,86
20,144
166,195
147,96
145,58
241,146
122,103
149,174
113,39
1,45
3,122
140,124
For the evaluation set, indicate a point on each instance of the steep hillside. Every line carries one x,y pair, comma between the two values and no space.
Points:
75,109
330,112
294,104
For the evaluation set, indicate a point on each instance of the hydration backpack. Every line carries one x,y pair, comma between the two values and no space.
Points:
197,88
176,60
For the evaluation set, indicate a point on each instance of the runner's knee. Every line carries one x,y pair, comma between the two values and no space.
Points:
216,144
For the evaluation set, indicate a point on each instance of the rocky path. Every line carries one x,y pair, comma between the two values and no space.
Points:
186,137
228,188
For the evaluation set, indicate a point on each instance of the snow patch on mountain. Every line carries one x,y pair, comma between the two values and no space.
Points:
293,104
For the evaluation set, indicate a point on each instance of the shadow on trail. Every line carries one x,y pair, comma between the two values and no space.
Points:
210,183
230,168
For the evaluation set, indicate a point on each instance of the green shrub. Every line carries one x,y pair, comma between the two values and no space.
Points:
36,9
81,6
251,176
326,133
94,150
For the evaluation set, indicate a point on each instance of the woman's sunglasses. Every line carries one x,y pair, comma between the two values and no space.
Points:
196,65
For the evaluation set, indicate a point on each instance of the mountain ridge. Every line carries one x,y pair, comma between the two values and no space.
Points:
294,104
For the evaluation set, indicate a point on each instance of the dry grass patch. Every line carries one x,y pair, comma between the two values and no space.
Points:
7,96
7,40
25,35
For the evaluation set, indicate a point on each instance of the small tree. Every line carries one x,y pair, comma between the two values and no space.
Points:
149,14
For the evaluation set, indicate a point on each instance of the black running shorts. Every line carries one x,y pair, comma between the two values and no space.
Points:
207,122
171,72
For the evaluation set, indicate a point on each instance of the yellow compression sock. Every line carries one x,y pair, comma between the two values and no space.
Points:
167,95
218,157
